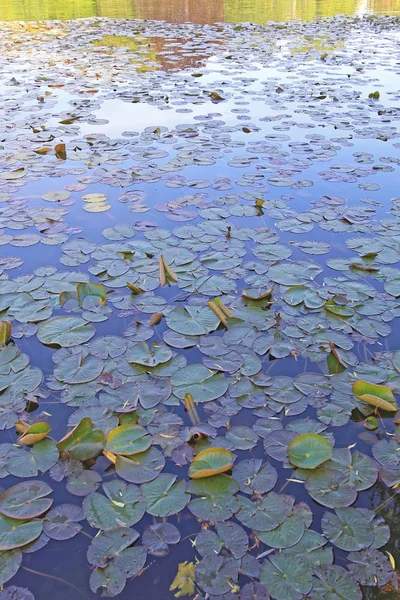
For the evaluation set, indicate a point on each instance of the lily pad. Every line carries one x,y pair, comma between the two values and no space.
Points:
211,461
309,450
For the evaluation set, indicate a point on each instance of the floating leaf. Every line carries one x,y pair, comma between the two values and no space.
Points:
83,442
211,461
309,450
128,440
379,396
35,433
26,500
65,331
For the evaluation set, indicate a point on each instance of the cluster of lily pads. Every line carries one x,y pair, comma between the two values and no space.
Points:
222,363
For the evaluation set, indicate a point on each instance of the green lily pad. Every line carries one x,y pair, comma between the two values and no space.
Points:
10,562
15,533
349,529
216,498
148,356
142,467
123,506
192,320
26,500
335,583
62,522
164,496
200,382
83,442
127,440
65,331
309,450
284,578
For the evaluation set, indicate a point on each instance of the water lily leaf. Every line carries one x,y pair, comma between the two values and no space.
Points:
309,450
15,533
78,368
331,488
83,442
216,575
35,433
370,567
142,467
84,484
127,440
379,396
386,452
131,560
83,290
65,331
310,550
216,501
255,477
159,537
110,581
192,320
10,562
286,534
200,382
62,522
266,514
284,578
106,545
46,454
234,538
211,461
349,529
26,500
164,497
123,506
148,356
335,583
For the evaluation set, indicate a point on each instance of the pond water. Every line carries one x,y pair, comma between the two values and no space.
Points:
199,247
195,11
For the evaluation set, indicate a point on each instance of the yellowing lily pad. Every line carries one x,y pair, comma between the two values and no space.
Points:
379,396
211,461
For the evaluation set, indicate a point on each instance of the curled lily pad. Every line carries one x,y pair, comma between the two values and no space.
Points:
211,461
35,433
379,396
127,440
83,441
26,500
65,331
309,450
